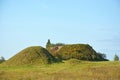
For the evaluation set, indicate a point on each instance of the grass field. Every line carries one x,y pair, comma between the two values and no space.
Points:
67,70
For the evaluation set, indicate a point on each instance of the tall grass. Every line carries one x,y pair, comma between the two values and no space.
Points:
68,70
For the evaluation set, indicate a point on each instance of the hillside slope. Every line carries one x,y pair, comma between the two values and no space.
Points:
31,55
79,51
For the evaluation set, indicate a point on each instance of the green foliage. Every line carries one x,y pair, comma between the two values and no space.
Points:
116,58
59,44
48,44
101,56
79,51
2,59
31,55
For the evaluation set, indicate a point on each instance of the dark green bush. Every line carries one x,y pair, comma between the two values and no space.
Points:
116,58
2,59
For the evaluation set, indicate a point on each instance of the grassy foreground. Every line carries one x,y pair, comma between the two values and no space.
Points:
68,70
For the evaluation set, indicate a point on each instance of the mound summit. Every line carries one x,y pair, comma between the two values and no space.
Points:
78,51
31,55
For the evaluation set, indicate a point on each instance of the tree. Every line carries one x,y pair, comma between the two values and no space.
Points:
101,55
2,59
48,44
116,58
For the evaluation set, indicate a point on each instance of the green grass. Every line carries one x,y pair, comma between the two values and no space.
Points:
79,51
67,70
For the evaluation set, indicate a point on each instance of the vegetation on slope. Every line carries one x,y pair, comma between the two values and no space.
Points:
31,55
116,58
2,59
79,51
50,45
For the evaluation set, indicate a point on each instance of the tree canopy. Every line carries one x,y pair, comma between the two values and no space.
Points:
2,59
48,44
116,58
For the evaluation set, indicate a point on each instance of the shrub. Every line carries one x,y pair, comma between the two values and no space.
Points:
116,58
2,59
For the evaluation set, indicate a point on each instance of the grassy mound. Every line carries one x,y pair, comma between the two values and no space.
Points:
31,55
79,51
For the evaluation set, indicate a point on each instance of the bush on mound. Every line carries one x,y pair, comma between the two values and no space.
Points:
31,55
79,51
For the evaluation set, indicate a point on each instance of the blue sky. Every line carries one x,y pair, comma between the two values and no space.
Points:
25,23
